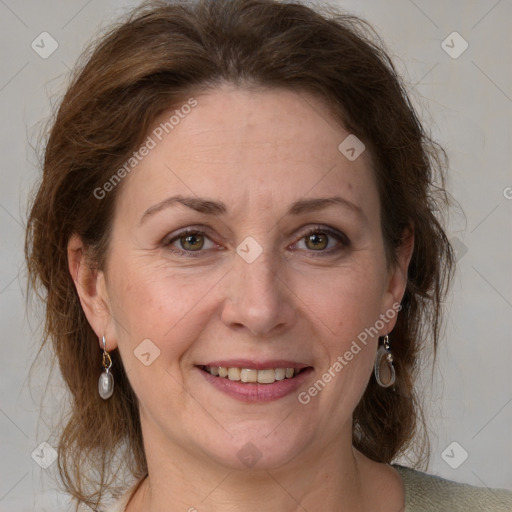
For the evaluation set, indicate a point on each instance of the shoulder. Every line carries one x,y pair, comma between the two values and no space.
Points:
429,493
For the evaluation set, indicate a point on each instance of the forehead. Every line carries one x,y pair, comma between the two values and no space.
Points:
249,147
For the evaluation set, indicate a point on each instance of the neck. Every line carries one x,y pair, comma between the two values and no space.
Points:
321,478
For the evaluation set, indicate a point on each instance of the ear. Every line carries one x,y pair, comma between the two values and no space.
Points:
397,280
92,290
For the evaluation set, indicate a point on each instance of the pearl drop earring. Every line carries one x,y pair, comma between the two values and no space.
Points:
106,380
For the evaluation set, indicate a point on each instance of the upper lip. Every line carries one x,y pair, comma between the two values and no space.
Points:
257,365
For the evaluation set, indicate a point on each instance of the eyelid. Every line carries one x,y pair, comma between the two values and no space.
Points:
194,229
319,228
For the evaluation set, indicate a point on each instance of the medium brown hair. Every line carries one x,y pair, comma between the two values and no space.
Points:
159,56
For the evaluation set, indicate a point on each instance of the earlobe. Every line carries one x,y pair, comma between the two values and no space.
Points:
90,287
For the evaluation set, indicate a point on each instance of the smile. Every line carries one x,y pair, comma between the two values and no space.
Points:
271,380
251,375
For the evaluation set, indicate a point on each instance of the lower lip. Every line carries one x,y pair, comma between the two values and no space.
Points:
254,392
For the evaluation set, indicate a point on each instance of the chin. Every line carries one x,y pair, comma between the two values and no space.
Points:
264,445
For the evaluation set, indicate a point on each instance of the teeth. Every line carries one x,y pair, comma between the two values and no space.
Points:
280,373
267,376
234,373
247,375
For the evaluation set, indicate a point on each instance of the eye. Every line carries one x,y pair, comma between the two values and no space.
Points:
189,241
317,239
320,239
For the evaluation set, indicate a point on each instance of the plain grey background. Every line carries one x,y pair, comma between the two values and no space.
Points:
466,100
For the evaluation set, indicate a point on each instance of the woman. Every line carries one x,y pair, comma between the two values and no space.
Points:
235,230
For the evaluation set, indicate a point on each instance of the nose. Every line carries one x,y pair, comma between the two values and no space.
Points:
258,298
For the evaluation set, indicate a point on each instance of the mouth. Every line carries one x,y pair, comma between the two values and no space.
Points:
253,375
248,381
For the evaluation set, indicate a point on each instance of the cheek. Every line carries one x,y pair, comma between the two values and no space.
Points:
155,324
351,305
345,305
167,308
345,301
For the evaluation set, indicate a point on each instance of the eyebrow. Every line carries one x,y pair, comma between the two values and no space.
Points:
210,207
195,203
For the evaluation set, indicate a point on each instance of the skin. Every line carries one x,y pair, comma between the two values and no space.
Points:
257,152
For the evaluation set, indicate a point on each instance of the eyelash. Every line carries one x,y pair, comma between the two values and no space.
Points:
340,237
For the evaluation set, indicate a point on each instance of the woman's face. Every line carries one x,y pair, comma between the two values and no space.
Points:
283,266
